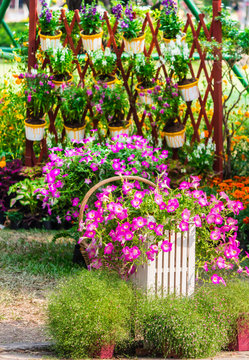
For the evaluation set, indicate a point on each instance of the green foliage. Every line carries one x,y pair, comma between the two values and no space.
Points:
170,24
61,60
49,27
88,311
104,62
73,103
199,326
17,29
25,194
91,20
145,69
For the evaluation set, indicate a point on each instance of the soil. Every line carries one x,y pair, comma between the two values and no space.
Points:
49,34
61,77
173,128
73,126
35,121
118,124
187,81
146,85
105,78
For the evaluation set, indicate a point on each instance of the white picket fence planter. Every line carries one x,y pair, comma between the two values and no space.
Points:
171,272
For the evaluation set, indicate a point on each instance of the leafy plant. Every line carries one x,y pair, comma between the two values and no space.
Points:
110,104
130,26
89,311
25,191
62,62
169,20
145,69
38,94
104,63
91,20
73,103
48,20
176,56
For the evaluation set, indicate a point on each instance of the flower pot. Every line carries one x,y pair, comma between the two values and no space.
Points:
134,46
114,131
190,91
175,139
50,42
167,41
110,84
76,133
35,132
92,42
144,95
60,84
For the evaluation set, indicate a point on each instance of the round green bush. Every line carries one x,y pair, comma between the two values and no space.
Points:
88,311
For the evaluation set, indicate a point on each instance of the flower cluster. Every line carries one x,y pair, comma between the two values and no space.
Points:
131,228
48,20
117,11
169,20
130,26
37,93
104,62
88,164
61,60
91,20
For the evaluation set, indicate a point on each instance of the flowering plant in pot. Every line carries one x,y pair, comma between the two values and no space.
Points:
170,23
104,64
145,69
131,28
165,107
111,105
38,94
136,222
73,104
176,56
62,63
48,23
91,34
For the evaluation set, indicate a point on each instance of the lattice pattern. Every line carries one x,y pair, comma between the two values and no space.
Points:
149,48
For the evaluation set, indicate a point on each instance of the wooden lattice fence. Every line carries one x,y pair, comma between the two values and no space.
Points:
213,78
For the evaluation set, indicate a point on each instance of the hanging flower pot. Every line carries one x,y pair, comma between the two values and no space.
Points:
167,41
134,46
144,94
34,132
50,42
118,130
189,90
175,139
92,42
75,133
110,83
61,84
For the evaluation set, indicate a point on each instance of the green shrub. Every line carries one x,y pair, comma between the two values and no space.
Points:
88,311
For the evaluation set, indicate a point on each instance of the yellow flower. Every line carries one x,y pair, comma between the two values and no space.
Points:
17,58
237,123
244,67
2,163
5,82
225,81
239,111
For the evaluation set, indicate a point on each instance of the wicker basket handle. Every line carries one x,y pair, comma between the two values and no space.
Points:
107,181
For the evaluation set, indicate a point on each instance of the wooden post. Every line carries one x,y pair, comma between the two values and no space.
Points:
217,74
32,33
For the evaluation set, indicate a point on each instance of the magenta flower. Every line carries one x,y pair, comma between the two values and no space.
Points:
205,267
216,279
75,201
197,221
166,246
186,214
154,248
108,249
94,167
150,255
136,203
173,204
215,235
159,230
221,263
183,226
135,252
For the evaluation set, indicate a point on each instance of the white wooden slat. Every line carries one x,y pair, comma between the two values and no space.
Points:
178,263
151,272
191,260
159,272
172,264
184,262
166,269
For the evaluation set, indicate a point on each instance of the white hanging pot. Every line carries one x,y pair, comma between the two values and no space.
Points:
134,46
34,132
144,96
60,84
189,92
175,139
92,42
114,131
50,42
167,41
75,133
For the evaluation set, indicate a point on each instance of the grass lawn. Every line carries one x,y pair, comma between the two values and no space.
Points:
30,266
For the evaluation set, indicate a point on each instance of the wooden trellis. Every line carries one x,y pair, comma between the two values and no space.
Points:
213,79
